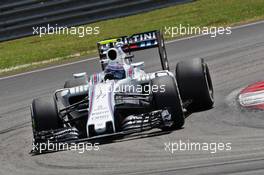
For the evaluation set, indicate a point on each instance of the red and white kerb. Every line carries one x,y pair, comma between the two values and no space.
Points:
252,96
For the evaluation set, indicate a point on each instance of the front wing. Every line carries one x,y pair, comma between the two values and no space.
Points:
134,124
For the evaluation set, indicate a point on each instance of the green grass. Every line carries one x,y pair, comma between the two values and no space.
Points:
199,13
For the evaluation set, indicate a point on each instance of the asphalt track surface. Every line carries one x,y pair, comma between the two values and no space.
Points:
235,61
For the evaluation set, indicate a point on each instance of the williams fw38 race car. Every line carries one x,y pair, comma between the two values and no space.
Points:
123,99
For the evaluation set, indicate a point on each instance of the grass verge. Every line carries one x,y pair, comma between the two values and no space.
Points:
32,52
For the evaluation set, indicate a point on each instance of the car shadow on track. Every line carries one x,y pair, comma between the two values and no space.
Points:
110,140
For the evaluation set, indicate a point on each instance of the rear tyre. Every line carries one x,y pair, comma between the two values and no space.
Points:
169,98
75,82
195,84
44,113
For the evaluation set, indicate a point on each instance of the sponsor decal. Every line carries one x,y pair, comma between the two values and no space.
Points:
137,41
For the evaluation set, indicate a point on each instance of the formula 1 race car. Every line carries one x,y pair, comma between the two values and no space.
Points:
123,98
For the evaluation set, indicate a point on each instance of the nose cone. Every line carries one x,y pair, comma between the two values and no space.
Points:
100,128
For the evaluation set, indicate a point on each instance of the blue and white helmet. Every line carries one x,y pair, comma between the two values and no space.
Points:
115,67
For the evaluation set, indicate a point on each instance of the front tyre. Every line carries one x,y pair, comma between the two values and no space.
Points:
44,115
169,99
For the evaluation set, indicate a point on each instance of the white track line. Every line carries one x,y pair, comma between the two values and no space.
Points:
93,58
48,68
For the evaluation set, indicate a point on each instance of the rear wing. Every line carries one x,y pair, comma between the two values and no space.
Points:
139,41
